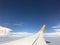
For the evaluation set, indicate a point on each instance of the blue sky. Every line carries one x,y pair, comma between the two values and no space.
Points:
29,15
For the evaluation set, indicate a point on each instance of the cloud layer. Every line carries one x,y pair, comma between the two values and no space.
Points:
56,28
56,32
20,34
4,31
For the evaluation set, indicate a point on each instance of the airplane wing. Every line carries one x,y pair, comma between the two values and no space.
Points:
36,39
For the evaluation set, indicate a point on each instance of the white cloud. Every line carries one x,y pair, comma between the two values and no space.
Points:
20,34
4,31
56,28
15,24
18,24
56,32
53,34
7,31
23,34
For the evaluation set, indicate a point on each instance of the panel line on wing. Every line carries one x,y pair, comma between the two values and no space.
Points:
35,41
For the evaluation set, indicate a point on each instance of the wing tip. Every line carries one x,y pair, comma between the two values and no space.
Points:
42,29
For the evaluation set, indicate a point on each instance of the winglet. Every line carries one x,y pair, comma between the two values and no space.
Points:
42,29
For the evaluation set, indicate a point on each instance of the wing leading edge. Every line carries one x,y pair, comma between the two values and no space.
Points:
36,39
